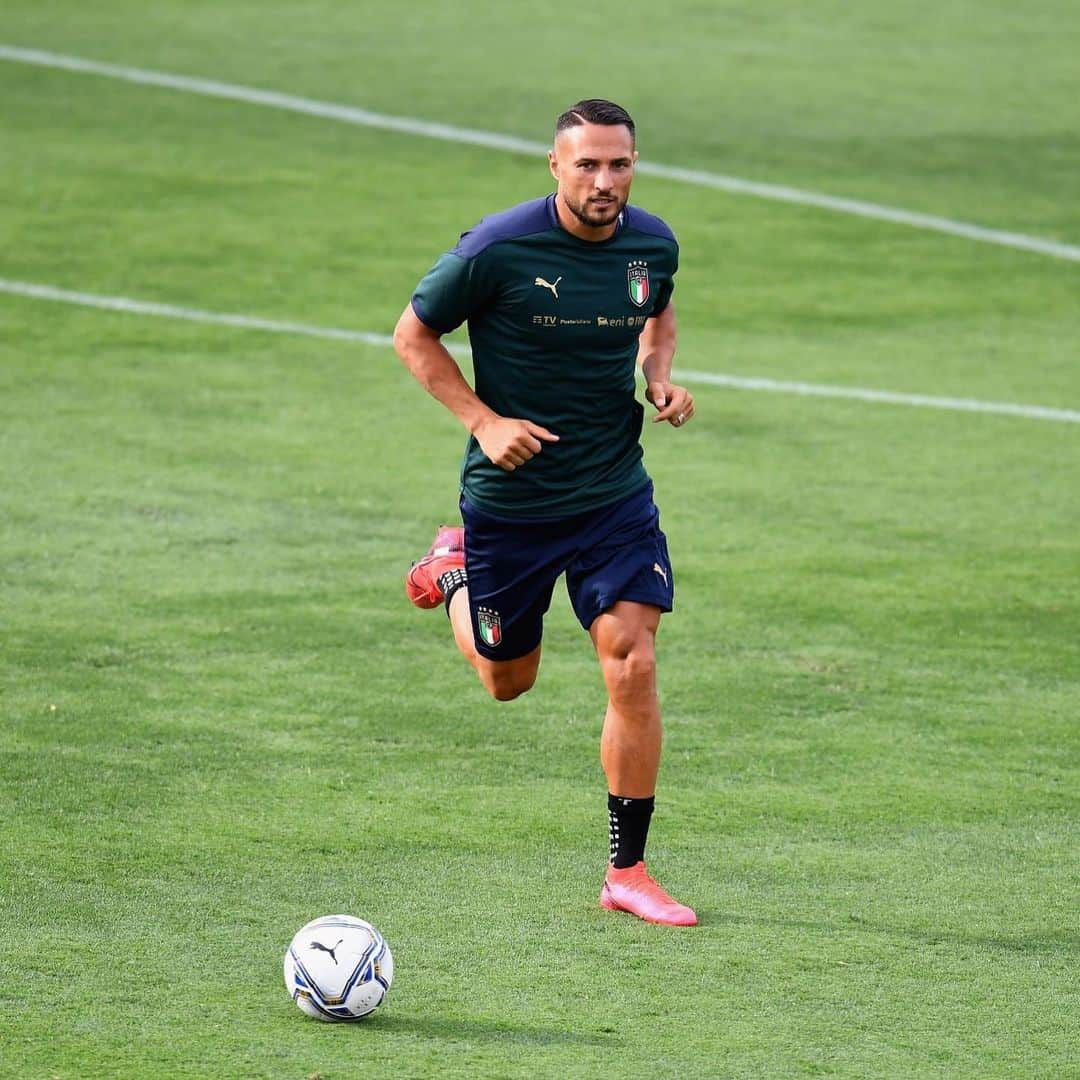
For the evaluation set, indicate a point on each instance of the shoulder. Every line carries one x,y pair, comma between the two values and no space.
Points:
642,221
525,219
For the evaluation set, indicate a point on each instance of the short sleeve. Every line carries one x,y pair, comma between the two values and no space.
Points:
667,287
450,292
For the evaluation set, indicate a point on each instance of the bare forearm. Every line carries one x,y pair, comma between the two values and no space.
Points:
656,346
421,351
437,372
508,442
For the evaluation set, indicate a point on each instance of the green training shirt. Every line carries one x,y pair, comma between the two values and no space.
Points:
554,322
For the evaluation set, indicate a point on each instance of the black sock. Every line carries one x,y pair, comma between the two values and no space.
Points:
450,582
628,828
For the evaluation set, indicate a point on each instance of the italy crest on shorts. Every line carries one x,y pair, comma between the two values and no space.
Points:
637,281
490,626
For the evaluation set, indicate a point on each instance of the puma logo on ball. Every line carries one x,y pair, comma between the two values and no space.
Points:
322,948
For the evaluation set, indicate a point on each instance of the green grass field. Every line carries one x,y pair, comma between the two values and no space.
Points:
220,717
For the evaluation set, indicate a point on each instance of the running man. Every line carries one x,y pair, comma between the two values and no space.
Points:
563,295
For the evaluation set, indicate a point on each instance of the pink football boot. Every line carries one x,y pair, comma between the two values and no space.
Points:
447,552
631,889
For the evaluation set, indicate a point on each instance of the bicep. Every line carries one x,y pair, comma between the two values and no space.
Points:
411,327
660,327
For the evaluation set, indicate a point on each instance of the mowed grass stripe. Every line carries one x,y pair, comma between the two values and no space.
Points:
275,326
512,144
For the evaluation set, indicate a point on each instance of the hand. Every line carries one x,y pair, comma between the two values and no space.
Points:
509,443
673,403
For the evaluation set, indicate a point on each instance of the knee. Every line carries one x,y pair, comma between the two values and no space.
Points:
504,691
631,663
507,685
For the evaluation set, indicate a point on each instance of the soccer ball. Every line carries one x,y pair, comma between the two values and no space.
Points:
338,968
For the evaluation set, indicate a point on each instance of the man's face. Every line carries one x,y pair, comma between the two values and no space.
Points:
594,167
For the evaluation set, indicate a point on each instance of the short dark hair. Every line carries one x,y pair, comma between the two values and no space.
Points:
594,111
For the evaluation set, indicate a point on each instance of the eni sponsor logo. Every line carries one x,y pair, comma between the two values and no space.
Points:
622,320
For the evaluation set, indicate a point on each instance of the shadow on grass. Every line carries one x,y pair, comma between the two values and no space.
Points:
501,1031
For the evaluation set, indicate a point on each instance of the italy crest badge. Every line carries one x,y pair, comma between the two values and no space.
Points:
489,625
637,280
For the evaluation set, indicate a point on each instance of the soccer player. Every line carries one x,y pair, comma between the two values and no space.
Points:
563,296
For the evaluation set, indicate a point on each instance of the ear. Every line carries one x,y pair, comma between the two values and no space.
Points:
635,157
553,164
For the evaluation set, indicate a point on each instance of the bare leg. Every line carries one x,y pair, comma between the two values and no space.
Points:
503,679
625,640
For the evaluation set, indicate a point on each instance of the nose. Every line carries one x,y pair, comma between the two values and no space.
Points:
602,180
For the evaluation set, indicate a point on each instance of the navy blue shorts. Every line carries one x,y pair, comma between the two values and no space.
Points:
616,552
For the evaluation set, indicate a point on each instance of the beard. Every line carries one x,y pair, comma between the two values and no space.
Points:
595,217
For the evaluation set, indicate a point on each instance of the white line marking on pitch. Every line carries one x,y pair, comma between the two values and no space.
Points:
277,326
888,397
492,140
171,311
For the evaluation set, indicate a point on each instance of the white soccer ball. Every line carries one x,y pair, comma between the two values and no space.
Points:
338,968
